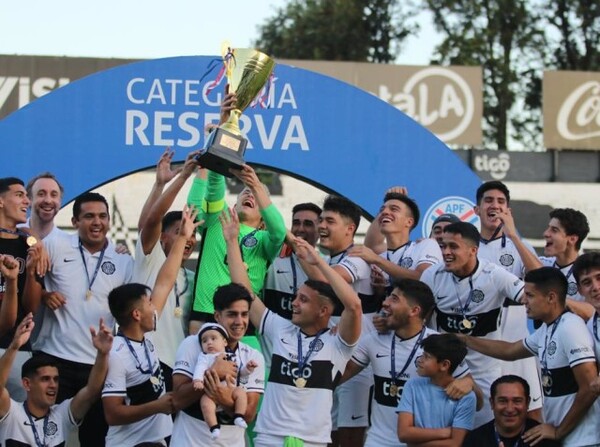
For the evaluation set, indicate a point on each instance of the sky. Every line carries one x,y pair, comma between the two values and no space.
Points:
148,29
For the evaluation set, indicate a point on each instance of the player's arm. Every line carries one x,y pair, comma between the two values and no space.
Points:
9,269
530,259
117,412
497,348
581,308
409,434
584,374
167,274
462,386
158,203
391,268
22,334
352,369
83,400
349,325
237,269
374,238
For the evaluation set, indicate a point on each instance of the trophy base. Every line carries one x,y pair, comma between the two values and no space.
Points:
224,151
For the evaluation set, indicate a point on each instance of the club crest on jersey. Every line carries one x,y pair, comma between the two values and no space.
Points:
51,429
406,263
250,242
108,268
316,345
459,206
507,260
551,347
572,289
477,296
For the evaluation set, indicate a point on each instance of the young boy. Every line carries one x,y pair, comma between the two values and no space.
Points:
425,412
213,340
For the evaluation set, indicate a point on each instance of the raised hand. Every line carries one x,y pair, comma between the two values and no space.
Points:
23,331
306,252
103,338
188,221
9,267
164,172
230,223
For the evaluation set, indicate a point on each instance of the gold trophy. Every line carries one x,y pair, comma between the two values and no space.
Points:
247,72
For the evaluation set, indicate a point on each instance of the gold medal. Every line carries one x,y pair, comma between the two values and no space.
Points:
154,380
31,241
178,312
467,324
546,380
300,382
88,294
393,390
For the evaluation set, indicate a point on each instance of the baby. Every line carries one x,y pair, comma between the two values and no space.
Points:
213,341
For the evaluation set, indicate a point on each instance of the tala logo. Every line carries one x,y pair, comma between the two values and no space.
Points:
437,98
459,206
579,115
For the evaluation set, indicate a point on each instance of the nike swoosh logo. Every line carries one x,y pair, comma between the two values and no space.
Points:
68,260
535,400
356,417
381,355
282,271
284,342
441,297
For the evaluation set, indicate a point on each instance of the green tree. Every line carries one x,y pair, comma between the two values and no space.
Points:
506,38
574,34
337,30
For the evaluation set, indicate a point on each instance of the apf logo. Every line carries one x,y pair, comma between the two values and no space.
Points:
579,115
450,116
459,206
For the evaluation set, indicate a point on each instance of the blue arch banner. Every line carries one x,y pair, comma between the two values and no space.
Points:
315,128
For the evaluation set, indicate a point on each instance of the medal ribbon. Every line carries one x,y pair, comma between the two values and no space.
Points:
595,325
236,355
463,309
342,255
519,443
186,285
36,436
138,365
87,274
494,234
294,275
302,361
16,233
543,356
396,377
399,263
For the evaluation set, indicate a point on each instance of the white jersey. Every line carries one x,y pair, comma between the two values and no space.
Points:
129,378
68,276
593,325
503,252
477,298
567,270
376,349
414,254
189,427
360,272
290,410
171,326
284,278
561,346
16,429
